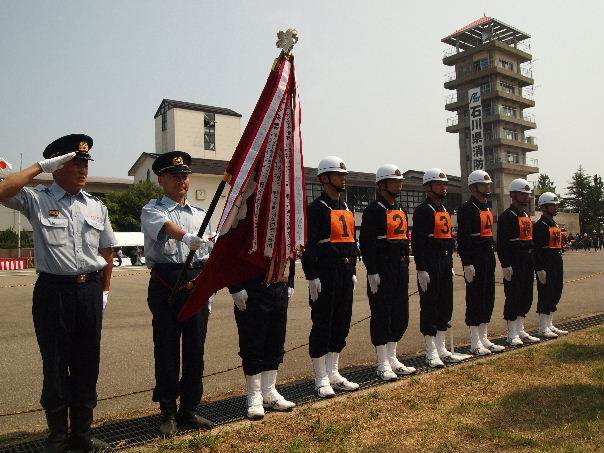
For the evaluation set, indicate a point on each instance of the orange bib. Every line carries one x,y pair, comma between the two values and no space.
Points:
555,238
342,226
442,225
396,224
486,224
525,226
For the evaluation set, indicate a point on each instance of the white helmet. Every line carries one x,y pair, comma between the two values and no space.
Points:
388,171
479,176
331,164
434,174
548,198
520,185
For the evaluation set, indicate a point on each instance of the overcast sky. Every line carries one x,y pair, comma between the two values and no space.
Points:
370,73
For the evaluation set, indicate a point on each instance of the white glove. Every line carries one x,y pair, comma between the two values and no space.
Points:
507,273
542,277
354,282
424,279
210,302
314,287
290,292
240,298
54,163
469,273
374,282
105,298
193,242
453,272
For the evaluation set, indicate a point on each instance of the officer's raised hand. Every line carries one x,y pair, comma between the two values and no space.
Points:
240,299
424,280
314,287
55,163
374,282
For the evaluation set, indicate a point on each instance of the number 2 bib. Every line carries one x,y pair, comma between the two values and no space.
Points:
342,226
442,225
396,224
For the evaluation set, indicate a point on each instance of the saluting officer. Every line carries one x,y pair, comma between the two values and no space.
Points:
385,250
170,225
432,243
515,251
548,264
329,263
261,316
73,242
476,248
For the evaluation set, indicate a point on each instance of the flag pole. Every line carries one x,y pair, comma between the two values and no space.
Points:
200,233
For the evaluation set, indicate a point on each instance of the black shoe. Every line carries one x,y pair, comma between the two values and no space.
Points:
57,425
81,438
168,425
191,420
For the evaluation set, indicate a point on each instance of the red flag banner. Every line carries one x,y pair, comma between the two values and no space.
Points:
263,224
5,165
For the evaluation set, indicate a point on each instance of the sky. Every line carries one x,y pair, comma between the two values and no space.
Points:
371,75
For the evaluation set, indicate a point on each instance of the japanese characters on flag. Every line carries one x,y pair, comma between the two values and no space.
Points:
476,135
263,225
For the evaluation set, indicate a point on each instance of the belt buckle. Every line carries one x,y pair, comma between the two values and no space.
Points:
347,260
190,284
81,278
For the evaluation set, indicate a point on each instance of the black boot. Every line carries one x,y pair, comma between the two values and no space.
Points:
57,425
81,438
187,418
168,418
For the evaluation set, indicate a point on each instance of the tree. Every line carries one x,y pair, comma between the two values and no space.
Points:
10,240
545,184
125,207
595,204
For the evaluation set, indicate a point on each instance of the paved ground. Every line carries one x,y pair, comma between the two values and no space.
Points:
127,353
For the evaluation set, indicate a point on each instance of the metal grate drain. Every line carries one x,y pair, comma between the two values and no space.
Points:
129,433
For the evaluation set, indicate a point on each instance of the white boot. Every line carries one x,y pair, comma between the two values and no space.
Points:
483,330
554,328
513,339
337,381
524,336
271,398
255,410
544,330
432,358
384,371
444,354
398,367
476,346
322,386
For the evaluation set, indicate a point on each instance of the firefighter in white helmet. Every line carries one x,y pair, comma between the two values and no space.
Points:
329,264
432,243
385,249
515,250
476,248
548,264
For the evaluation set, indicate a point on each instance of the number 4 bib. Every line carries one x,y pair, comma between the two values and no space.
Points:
342,226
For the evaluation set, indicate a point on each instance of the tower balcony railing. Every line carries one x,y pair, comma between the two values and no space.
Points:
487,112
524,46
494,162
452,121
483,66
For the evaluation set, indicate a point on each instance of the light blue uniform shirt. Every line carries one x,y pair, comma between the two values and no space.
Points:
161,248
68,229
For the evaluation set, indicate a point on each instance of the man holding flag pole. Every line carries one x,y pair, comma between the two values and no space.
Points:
261,231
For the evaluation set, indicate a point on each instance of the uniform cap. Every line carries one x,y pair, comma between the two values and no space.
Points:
172,162
78,143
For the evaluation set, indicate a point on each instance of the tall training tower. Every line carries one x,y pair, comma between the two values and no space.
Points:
491,58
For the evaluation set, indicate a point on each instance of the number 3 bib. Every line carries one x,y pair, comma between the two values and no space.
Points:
342,226
442,225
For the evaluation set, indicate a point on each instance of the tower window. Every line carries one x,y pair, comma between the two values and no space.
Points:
209,132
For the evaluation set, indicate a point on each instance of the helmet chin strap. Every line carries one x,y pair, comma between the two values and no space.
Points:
440,197
339,189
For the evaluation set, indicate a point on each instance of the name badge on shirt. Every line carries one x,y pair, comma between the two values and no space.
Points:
53,213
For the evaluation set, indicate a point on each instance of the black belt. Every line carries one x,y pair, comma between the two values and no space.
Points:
78,279
168,267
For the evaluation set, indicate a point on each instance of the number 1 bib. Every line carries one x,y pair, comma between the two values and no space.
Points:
342,226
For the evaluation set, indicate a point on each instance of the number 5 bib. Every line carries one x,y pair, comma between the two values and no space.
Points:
342,226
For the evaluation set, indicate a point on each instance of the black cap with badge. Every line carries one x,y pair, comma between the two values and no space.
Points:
78,143
172,162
